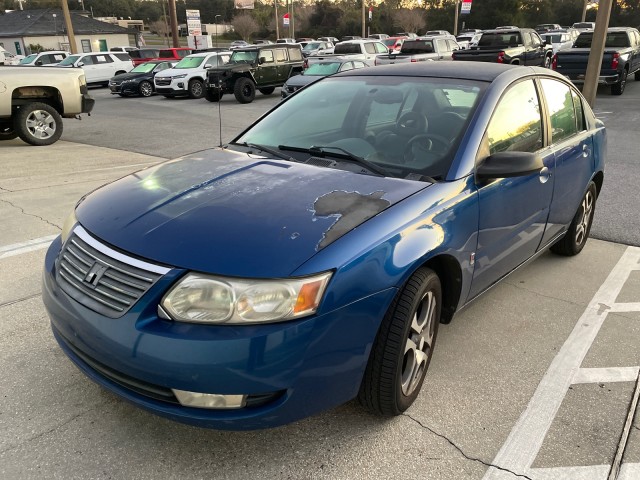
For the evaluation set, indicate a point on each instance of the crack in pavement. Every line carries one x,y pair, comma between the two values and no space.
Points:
6,190
487,464
18,300
30,214
52,429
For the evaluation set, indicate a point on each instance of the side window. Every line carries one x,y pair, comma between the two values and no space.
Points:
561,112
516,124
295,54
536,40
102,59
46,59
267,55
442,45
88,60
281,55
581,125
183,53
380,48
369,48
346,66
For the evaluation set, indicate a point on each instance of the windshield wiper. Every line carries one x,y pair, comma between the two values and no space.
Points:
270,151
342,153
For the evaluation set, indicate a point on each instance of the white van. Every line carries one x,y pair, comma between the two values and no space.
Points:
99,67
187,77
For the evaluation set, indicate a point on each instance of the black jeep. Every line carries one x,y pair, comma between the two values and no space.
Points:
262,67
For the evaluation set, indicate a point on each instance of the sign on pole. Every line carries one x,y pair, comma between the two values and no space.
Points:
370,13
285,20
466,6
244,4
194,27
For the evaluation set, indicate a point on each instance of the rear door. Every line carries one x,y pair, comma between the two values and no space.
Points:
513,211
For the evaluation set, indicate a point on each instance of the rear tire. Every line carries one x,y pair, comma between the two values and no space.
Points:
618,88
403,347
636,76
244,90
38,124
576,237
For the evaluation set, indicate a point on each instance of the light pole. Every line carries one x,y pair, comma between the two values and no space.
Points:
215,19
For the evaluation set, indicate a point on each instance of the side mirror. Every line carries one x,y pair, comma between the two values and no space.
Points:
38,62
262,60
80,64
509,164
208,65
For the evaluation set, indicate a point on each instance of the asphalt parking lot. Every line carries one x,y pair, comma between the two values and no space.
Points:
536,379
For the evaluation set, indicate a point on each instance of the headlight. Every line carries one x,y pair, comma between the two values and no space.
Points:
180,76
68,225
202,298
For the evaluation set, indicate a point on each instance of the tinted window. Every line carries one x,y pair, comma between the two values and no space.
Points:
561,112
88,60
516,124
281,55
267,55
577,104
123,56
102,59
499,39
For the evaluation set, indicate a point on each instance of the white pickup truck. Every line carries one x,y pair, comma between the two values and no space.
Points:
365,50
33,102
421,49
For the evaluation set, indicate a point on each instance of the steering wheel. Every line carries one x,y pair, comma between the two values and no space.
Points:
425,142
411,124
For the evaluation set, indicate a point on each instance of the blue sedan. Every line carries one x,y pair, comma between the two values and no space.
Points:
308,263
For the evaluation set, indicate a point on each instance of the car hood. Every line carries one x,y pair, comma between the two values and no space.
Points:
232,213
131,76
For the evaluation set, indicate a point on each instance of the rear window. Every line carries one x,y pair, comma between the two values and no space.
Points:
143,54
415,47
500,39
346,48
123,56
614,40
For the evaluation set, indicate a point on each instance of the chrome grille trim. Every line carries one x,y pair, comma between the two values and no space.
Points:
100,278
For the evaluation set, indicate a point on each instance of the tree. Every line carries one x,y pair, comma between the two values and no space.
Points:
245,25
409,20
162,28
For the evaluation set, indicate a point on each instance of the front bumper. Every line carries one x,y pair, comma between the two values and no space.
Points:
175,87
302,367
129,88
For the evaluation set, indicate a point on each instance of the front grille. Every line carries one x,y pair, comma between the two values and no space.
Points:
100,278
163,81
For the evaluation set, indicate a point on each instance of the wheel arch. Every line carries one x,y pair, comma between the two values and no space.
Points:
598,179
35,93
450,274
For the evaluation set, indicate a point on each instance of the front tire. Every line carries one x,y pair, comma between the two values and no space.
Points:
244,90
196,88
267,90
576,237
618,88
38,124
7,132
145,89
213,95
403,347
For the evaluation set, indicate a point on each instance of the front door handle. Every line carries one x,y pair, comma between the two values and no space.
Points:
585,150
545,175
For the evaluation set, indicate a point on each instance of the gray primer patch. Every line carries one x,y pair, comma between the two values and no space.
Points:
350,209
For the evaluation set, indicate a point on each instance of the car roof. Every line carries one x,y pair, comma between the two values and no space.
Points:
483,71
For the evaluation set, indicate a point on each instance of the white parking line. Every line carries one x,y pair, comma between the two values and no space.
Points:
523,444
25,247
606,375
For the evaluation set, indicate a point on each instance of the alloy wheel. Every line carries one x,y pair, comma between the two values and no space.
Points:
41,124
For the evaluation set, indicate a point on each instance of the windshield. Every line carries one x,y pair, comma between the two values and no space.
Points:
389,42
189,62
312,46
70,60
243,57
144,68
405,126
322,68
29,59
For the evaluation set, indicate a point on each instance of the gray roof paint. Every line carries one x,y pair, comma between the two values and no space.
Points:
34,23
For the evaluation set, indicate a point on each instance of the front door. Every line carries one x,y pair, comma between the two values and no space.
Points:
103,45
513,211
